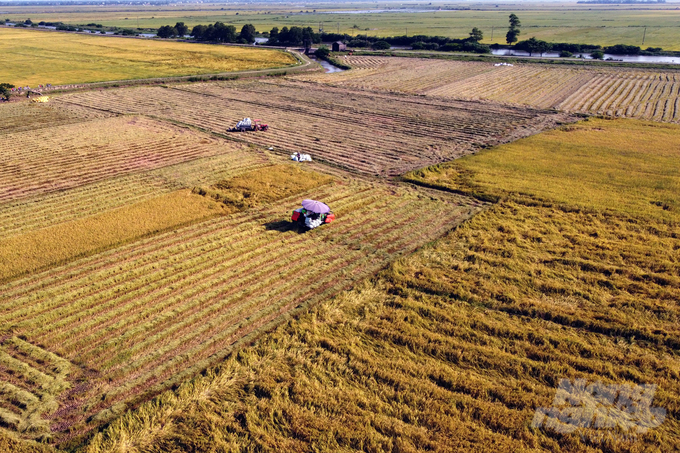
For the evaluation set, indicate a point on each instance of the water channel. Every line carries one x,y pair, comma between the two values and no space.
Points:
586,55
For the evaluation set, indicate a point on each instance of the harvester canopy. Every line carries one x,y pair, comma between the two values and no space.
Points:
312,214
315,206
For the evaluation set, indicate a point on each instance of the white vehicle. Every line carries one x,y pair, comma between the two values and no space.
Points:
246,124
297,157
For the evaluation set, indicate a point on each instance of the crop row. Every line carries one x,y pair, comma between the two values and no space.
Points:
367,132
545,88
58,207
610,91
23,117
30,380
209,170
401,74
49,209
148,313
463,80
639,95
59,158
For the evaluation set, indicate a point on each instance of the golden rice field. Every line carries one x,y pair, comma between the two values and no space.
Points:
617,92
368,132
51,245
454,347
156,296
131,283
45,57
68,156
139,318
72,189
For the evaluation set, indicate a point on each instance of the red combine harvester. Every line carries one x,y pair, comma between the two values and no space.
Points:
312,214
249,125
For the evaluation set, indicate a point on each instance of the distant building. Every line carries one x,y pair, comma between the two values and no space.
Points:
339,46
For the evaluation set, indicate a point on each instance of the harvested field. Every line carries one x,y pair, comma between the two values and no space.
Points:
635,94
131,287
405,75
55,244
208,170
535,85
30,381
617,92
20,117
53,208
240,272
455,347
378,134
73,155
65,196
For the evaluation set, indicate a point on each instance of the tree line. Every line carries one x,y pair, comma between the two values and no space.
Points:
219,32
307,37
536,46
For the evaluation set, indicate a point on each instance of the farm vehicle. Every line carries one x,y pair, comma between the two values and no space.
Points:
246,124
312,214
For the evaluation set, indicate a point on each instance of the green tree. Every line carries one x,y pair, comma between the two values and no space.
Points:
292,36
511,36
476,35
199,31
181,29
322,52
248,33
307,38
381,45
166,31
222,33
597,55
5,90
534,45
513,32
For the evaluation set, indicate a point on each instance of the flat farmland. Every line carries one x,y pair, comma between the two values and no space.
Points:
85,185
156,297
572,275
119,282
57,207
73,155
554,22
617,92
133,321
42,57
368,132
63,163
17,117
